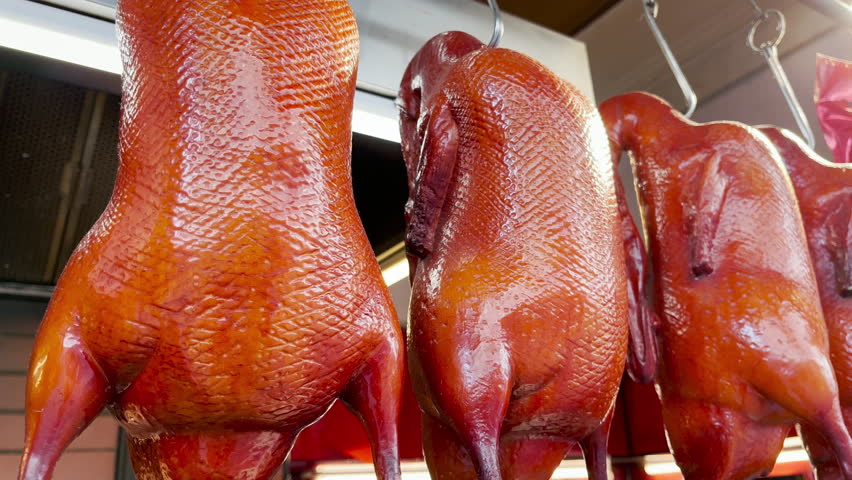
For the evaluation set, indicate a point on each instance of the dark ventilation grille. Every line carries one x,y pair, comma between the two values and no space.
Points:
379,183
96,189
39,122
58,160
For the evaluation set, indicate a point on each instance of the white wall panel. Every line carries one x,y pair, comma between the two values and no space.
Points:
20,317
708,37
72,466
757,100
101,434
15,353
393,30
12,389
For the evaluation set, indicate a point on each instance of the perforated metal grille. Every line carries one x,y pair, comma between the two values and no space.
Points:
55,182
38,124
102,176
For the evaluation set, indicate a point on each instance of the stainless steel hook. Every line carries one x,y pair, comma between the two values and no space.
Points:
650,8
756,7
497,33
769,50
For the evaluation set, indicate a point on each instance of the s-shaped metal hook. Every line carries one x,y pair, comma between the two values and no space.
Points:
650,8
497,32
769,51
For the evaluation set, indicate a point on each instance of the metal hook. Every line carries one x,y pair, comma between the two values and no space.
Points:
762,16
756,7
651,8
769,51
497,33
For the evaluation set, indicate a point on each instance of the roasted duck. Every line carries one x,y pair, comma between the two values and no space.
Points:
519,309
743,344
228,294
824,191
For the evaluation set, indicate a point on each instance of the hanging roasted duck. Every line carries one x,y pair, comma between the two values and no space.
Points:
824,191
519,309
228,294
743,344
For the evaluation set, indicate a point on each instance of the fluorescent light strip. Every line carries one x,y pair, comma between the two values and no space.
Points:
661,468
365,476
343,470
396,272
50,43
793,456
793,442
375,125
568,470
74,38
661,464
788,456
414,470
664,464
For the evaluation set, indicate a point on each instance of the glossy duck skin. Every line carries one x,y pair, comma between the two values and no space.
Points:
744,349
228,294
824,191
519,305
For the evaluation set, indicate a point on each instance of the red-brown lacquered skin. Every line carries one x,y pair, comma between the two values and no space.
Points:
518,320
228,294
824,191
743,344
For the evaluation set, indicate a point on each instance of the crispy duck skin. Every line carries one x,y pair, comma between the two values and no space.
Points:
824,191
228,294
519,309
743,344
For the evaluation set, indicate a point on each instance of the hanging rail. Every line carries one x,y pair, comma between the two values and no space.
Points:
651,8
497,32
769,51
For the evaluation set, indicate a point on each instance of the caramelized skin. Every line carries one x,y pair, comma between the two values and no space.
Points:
519,299
744,350
824,191
228,294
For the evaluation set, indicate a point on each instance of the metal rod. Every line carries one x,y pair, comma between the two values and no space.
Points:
836,10
285,469
769,51
123,467
497,32
770,54
25,290
80,194
4,77
756,7
66,186
650,8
